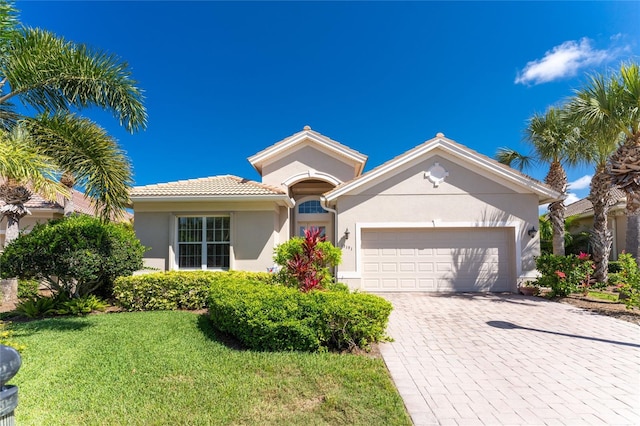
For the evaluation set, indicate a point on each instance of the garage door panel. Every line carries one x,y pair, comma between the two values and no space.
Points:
474,259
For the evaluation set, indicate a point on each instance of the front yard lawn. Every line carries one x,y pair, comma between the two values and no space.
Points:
161,368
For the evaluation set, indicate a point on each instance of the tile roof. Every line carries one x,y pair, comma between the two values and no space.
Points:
584,206
227,185
81,204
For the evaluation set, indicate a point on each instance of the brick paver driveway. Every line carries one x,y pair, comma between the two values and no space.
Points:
488,359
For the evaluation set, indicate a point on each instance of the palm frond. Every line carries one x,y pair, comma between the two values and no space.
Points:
22,163
50,73
513,158
86,151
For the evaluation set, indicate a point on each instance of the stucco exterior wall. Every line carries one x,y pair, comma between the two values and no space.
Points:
302,160
28,222
256,228
464,199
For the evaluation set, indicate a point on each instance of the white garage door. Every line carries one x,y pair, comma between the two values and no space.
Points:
460,259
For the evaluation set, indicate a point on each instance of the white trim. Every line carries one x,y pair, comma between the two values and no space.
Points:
435,224
203,266
285,199
311,174
544,193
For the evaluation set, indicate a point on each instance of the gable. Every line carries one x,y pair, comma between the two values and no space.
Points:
456,154
306,137
415,179
306,160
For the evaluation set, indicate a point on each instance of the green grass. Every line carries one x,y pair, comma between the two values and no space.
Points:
170,368
603,296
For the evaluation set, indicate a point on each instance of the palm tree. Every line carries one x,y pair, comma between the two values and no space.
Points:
611,104
48,73
85,153
54,77
554,142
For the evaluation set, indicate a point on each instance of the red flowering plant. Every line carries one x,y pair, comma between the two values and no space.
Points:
306,262
564,274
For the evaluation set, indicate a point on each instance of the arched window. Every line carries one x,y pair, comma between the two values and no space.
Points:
311,207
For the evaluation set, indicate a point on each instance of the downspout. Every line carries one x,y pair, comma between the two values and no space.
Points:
323,203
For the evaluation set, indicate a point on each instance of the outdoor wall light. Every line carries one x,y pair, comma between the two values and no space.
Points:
346,234
532,232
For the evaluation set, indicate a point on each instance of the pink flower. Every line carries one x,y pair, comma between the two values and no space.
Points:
561,274
583,256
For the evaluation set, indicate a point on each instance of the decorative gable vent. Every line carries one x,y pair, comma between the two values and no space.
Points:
436,174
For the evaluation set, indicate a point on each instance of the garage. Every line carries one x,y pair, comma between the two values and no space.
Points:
452,259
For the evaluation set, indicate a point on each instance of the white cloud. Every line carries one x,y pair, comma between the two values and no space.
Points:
583,183
571,198
564,60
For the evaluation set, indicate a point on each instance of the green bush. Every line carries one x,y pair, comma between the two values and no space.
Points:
306,262
176,289
28,289
76,255
61,304
627,280
564,274
279,318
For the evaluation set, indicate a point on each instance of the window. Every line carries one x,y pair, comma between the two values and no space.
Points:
203,242
312,206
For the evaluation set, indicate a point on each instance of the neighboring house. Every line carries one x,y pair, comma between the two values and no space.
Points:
617,222
439,217
43,210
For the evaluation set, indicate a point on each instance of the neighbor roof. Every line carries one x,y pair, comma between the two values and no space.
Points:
545,193
81,203
306,134
214,187
584,206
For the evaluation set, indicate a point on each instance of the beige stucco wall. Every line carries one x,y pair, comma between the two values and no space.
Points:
256,228
303,159
27,223
617,224
464,199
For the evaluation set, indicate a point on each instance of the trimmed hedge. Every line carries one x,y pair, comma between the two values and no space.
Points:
176,289
277,318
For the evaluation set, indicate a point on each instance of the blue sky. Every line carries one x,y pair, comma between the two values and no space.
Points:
224,80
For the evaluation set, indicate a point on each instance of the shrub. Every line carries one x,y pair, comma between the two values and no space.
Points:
306,261
28,289
41,306
627,280
176,289
277,318
564,274
75,255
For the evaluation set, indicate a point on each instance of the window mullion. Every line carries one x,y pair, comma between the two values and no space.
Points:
203,258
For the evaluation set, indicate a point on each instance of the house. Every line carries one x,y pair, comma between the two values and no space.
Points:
440,217
43,210
617,220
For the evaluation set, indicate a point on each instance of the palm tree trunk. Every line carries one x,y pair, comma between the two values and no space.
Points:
633,224
625,173
68,180
557,179
601,237
14,197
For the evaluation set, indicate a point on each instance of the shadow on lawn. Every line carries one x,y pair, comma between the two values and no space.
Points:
205,326
53,324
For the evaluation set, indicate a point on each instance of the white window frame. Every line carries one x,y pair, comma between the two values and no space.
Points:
203,243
